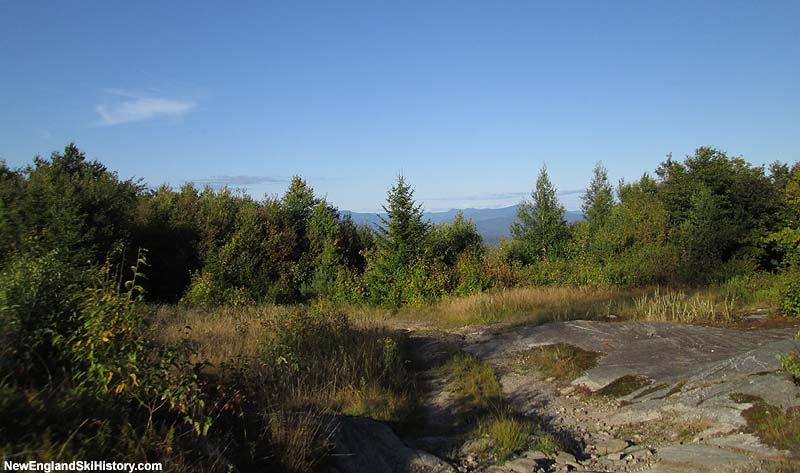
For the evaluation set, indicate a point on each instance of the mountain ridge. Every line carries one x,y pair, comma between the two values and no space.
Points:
491,224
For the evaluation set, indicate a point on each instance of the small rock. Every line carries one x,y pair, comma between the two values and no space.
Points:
614,456
634,448
476,445
535,455
564,458
522,465
611,445
567,390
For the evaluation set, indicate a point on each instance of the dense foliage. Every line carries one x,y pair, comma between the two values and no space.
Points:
706,219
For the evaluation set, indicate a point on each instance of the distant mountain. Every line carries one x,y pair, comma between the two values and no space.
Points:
490,223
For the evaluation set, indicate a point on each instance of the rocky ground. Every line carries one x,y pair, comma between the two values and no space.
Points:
686,416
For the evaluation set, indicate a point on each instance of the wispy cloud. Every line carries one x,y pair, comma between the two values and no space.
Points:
136,107
240,181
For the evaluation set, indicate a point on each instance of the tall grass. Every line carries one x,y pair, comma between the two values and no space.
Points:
304,356
286,368
530,305
717,304
677,306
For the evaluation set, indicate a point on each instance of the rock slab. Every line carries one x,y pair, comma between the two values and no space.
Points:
366,446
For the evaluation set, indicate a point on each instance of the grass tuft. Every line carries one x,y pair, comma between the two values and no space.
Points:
561,361
623,386
507,435
474,382
774,426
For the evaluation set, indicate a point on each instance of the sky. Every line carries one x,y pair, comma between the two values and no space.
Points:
467,99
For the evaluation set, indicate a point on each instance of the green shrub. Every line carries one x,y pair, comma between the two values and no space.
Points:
756,288
470,274
790,363
791,298
39,298
202,292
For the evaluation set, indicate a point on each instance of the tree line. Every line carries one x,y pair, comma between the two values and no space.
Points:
705,219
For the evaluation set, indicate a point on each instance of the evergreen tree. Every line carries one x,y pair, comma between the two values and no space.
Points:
540,229
599,198
398,271
298,203
403,231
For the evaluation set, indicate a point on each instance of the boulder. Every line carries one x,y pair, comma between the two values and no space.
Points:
366,446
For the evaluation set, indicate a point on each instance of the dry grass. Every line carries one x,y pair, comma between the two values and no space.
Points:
538,305
218,335
286,367
304,361
561,361
299,442
678,306
474,383
531,305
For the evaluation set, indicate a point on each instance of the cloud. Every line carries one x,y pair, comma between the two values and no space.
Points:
240,181
139,107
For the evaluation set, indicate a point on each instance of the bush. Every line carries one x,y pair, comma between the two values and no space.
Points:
790,363
760,288
791,298
39,299
470,274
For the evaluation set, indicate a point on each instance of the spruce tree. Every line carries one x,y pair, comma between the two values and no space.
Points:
403,231
599,197
401,241
540,229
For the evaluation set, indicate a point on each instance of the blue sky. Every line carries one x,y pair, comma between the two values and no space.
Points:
468,99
